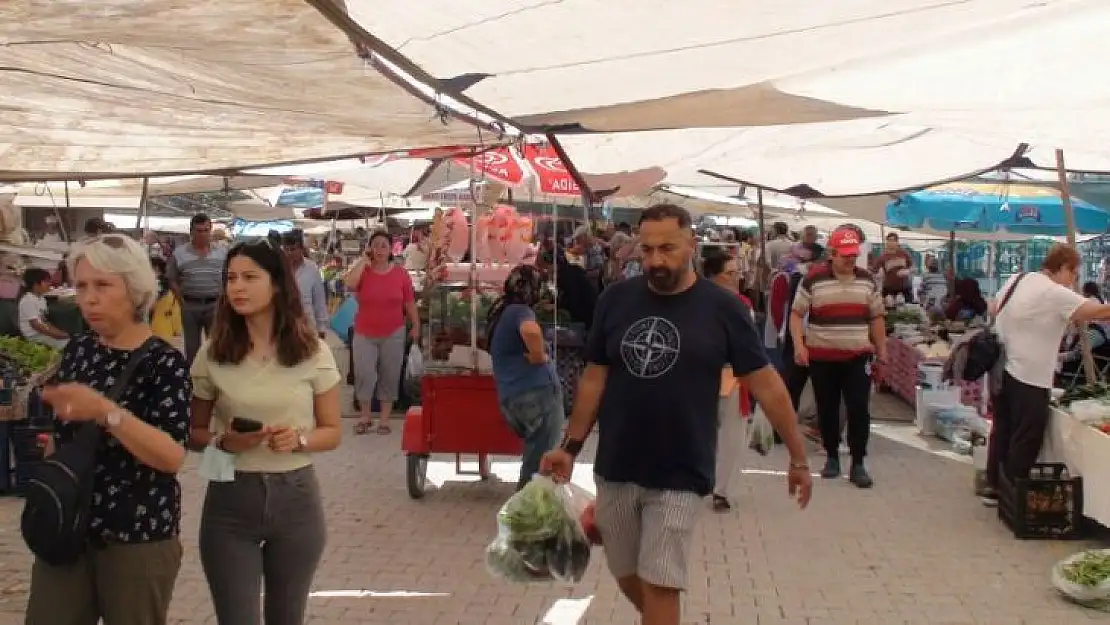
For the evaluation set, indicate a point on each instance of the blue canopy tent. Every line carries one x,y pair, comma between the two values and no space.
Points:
993,207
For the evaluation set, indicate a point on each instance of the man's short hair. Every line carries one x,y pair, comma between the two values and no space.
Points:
293,237
199,220
780,228
94,226
662,212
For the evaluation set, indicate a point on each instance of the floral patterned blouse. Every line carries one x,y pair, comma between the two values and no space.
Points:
132,503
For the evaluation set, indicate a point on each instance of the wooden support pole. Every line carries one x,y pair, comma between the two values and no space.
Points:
1069,218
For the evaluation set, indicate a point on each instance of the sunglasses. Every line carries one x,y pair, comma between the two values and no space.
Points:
114,241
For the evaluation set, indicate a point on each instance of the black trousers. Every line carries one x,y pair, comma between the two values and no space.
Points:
794,375
847,381
1021,414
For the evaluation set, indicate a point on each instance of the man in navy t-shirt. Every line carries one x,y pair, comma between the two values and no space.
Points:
654,359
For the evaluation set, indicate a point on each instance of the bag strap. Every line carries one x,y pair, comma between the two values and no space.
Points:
1009,294
136,358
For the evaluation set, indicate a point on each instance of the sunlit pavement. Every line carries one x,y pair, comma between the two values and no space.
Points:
918,549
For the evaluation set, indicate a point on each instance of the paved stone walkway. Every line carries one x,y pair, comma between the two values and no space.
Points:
918,549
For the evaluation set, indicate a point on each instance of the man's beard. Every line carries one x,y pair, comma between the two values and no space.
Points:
663,279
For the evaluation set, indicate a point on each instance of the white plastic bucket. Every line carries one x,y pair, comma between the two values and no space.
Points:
930,376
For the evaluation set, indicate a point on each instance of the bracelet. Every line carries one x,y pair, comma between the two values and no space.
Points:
572,446
217,441
799,466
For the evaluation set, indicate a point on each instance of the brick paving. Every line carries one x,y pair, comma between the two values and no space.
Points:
917,549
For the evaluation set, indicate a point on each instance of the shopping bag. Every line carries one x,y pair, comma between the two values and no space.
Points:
414,368
761,435
540,536
344,316
1084,578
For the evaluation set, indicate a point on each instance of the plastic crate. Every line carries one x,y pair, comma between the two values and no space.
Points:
1048,504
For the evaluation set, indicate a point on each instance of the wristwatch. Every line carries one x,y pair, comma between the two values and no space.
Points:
572,446
302,442
799,466
113,419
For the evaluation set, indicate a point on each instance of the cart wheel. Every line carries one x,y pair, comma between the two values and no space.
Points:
416,475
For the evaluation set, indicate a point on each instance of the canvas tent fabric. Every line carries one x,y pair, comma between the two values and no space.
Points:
624,65
119,88
852,166
1032,74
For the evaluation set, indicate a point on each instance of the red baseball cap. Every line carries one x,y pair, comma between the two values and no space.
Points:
845,241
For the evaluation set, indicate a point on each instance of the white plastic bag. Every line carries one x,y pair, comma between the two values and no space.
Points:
761,435
415,366
540,536
1094,596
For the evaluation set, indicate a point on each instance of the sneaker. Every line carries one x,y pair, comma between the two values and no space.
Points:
720,503
989,497
832,468
858,475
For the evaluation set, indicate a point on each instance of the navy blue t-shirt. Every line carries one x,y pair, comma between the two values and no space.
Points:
657,419
512,373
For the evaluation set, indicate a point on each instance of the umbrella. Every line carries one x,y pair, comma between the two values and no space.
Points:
993,207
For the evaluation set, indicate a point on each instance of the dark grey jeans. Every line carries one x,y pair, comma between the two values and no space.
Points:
262,532
196,317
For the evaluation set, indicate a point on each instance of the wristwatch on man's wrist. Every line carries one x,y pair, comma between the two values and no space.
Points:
572,446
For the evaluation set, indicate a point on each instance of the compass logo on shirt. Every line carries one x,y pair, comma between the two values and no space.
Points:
650,347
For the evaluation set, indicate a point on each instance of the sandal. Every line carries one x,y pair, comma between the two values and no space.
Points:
384,430
721,503
363,427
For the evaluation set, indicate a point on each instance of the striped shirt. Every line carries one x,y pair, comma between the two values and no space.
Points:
840,313
200,277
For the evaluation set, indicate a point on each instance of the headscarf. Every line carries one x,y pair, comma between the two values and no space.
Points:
524,285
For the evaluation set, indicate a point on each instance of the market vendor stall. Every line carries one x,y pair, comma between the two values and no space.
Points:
1079,436
916,352
459,411
23,417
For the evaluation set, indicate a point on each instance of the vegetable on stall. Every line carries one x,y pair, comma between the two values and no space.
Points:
27,356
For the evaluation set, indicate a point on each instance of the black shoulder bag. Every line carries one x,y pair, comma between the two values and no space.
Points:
985,348
55,517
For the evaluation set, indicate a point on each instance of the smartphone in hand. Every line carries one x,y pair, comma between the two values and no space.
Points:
245,426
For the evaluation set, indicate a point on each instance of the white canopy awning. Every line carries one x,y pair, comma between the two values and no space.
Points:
852,166
119,88
650,64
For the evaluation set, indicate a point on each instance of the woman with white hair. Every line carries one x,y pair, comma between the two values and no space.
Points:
126,574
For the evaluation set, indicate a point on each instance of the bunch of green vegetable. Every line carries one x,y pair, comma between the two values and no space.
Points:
1095,390
27,356
540,538
1085,578
1092,569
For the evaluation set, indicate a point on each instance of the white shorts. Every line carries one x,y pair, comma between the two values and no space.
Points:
647,532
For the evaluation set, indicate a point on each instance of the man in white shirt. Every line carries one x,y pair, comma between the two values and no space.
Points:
33,308
309,281
1031,324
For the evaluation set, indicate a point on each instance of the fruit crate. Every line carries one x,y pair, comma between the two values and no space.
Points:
1046,505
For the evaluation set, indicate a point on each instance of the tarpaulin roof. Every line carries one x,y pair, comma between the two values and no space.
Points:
853,166
118,88
608,65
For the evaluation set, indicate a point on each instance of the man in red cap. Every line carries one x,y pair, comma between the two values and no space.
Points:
837,326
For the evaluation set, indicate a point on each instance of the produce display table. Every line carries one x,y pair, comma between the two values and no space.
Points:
1086,451
899,374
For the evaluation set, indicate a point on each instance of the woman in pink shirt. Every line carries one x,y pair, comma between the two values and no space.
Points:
385,298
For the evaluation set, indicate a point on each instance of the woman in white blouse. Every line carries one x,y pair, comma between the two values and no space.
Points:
273,388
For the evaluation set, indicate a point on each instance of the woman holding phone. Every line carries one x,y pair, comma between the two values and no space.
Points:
273,387
385,299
